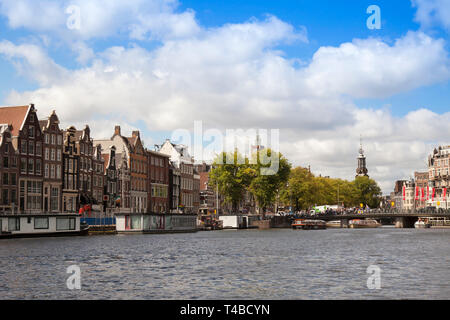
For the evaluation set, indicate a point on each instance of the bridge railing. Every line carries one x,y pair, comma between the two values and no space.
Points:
425,211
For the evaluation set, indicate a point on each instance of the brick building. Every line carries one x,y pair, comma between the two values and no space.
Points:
71,158
9,170
53,162
158,182
27,138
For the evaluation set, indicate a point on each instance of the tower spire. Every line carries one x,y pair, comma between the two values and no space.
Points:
361,171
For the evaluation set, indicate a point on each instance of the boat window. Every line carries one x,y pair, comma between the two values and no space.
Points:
13,224
65,224
41,223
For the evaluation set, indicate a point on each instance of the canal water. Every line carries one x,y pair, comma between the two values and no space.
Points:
230,264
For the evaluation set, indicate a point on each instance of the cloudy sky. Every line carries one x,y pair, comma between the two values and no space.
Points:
312,69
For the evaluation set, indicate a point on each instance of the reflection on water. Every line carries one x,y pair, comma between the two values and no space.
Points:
244,264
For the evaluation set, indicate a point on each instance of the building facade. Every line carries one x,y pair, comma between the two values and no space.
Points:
439,177
27,139
174,188
181,159
53,163
158,182
71,158
9,171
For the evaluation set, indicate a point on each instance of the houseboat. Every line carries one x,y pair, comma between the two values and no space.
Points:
41,225
367,223
422,223
239,221
334,224
309,224
155,223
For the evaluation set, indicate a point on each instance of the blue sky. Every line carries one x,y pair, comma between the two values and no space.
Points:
309,68
328,23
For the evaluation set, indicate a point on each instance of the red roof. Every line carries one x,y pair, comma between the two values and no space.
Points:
14,116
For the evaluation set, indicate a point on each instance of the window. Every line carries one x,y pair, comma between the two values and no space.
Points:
46,154
52,154
38,149
31,147
58,171
46,138
5,196
13,224
46,170
65,224
59,139
58,155
54,196
14,162
6,162
13,179
52,171
41,223
30,166
31,131
23,165
38,167
53,139
23,147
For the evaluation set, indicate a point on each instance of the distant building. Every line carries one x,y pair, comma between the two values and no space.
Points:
132,169
158,182
174,188
181,159
422,189
9,170
71,159
53,162
439,177
361,171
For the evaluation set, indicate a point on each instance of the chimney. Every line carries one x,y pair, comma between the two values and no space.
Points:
117,130
135,134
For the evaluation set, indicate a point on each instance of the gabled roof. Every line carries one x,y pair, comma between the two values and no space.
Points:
14,116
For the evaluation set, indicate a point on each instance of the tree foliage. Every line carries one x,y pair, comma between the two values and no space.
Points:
304,190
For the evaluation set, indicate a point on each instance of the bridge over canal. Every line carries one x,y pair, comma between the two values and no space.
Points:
401,219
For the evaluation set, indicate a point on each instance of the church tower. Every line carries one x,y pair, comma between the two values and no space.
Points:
361,171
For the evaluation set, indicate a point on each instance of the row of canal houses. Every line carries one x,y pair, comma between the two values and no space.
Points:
45,168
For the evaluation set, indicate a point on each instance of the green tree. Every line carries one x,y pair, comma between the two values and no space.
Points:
231,177
271,173
367,192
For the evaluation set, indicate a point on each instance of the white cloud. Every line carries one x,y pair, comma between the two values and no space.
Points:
371,68
433,13
233,76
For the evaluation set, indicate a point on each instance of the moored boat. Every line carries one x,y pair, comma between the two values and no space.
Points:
334,224
41,225
422,223
367,223
309,224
